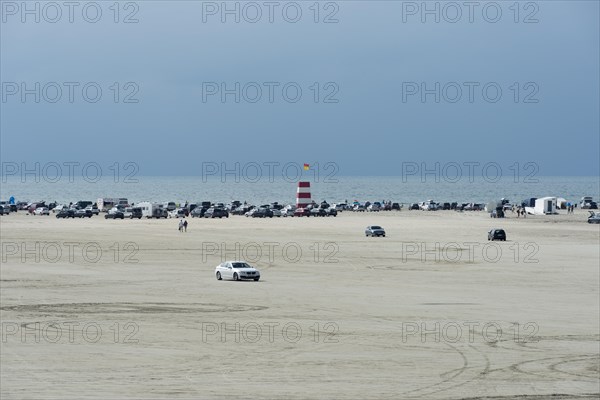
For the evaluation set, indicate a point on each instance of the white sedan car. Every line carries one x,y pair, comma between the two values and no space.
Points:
236,270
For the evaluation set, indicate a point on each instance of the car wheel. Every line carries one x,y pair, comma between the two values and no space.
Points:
383,235
236,277
219,276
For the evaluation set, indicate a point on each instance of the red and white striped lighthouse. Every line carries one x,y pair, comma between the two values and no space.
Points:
303,195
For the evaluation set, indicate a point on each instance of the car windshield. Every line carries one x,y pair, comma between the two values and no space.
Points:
240,265
375,227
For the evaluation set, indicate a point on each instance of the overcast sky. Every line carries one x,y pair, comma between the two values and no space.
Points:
361,66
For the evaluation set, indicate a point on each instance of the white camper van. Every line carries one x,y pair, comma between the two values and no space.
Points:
543,206
152,210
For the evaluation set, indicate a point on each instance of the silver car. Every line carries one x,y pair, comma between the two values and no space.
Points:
374,230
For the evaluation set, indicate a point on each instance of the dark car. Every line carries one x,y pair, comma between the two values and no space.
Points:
262,213
115,215
396,206
497,234
214,212
332,212
198,212
136,212
67,213
318,212
83,204
302,212
413,206
2,212
374,230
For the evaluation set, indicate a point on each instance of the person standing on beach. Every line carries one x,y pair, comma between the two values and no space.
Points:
181,226
185,225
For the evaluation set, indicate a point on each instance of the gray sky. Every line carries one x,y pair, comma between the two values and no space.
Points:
368,114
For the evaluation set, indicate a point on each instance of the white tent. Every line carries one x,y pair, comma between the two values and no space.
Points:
561,203
543,206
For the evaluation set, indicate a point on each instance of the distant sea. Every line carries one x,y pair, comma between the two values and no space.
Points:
263,190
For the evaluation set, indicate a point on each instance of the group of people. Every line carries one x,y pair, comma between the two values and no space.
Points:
183,225
520,211
570,208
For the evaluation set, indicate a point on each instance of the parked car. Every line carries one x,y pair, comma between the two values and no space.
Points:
170,206
332,212
242,210
236,270
287,212
374,230
82,204
396,206
136,212
66,213
172,214
117,209
359,207
2,212
276,212
376,206
302,212
82,213
115,215
262,213
429,205
215,212
93,209
497,234
41,211
31,208
340,206
594,218
318,212
414,206
198,212
588,203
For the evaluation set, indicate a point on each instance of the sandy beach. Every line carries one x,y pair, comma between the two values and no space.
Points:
95,308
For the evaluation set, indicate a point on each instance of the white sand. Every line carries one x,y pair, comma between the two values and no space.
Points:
369,299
